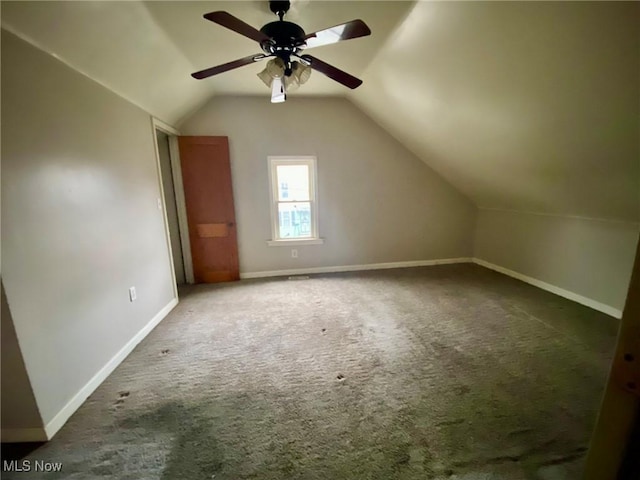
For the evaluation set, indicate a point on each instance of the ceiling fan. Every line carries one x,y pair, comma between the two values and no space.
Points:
285,41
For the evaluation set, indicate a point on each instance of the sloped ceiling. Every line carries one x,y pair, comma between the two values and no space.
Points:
145,51
528,106
521,105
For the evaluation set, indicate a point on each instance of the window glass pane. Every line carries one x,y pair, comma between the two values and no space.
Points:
293,182
284,190
295,220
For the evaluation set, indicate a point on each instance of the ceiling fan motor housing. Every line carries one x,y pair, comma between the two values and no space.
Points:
284,37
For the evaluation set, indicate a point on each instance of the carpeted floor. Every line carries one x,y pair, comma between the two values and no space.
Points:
448,372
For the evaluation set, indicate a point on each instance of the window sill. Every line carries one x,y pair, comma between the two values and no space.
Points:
297,241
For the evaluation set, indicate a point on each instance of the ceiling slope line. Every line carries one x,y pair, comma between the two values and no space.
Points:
221,95
35,44
385,45
409,149
167,36
562,215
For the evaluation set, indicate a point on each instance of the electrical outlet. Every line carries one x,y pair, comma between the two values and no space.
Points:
294,253
132,294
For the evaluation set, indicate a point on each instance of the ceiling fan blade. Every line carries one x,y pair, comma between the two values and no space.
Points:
232,23
225,67
332,72
345,31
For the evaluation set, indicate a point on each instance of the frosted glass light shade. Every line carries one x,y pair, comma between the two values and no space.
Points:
301,72
273,69
299,75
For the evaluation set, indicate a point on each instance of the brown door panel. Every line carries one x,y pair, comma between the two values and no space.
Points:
206,174
212,230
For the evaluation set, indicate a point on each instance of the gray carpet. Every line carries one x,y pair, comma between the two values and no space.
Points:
448,372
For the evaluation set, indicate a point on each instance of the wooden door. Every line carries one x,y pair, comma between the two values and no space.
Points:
206,174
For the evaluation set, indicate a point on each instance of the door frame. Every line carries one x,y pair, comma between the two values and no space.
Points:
617,429
176,173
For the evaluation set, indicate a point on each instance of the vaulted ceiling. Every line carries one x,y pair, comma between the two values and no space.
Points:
530,106
146,51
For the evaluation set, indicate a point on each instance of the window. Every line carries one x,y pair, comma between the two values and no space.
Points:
294,217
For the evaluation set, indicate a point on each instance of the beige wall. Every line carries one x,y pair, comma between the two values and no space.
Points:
592,258
377,201
80,222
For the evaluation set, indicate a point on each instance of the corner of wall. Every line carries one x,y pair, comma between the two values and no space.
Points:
583,259
21,419
57,422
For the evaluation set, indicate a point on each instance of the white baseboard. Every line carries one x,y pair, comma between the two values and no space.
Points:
52,427
601,307
23,435
354,268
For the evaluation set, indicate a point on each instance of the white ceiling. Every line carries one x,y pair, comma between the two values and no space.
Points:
530,106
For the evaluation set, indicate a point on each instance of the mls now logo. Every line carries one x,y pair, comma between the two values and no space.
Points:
29,466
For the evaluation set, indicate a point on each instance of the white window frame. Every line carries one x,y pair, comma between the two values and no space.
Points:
311,162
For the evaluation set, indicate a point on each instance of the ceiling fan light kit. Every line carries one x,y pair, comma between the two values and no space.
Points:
276,69
285,41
